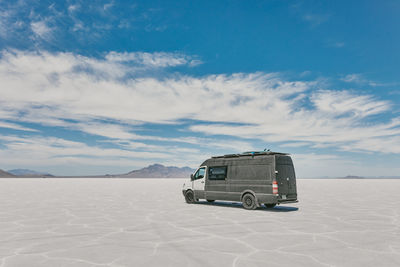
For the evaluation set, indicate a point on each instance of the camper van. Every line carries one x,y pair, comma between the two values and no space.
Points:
253,178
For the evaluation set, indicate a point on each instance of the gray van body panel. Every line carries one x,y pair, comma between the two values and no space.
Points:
249,173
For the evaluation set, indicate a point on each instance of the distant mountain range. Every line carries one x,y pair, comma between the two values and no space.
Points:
152,171
28,173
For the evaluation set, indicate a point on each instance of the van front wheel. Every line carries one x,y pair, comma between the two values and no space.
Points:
249,202
189,197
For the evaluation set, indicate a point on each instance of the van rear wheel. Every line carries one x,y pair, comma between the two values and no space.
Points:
189,197
249,202
270,206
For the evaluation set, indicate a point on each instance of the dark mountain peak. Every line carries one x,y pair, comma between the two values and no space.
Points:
155,166
160,171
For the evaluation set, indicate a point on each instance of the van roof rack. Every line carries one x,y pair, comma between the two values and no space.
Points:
250,153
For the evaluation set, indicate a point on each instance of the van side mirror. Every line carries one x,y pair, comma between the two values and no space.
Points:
191,177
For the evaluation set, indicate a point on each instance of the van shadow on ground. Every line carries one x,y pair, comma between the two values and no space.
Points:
239,205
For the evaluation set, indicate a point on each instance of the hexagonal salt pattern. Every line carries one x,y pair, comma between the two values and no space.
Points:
145,222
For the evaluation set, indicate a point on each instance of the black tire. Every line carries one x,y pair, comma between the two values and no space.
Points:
210,200
249,202
270,206
189,197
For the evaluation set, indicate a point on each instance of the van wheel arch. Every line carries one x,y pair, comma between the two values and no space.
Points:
247,192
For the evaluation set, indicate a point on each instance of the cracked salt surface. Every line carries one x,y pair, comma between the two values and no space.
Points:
145,222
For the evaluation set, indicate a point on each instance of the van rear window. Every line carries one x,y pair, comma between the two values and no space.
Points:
217,173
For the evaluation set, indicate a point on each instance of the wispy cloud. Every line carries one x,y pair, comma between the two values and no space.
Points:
338,44
15,127
9,22
335,43
72,8
309,14
45,148
41,29
360,79
3,24
338,103
354,78
154,60
108,5
315,19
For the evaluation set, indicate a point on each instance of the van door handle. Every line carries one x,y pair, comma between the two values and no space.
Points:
202,182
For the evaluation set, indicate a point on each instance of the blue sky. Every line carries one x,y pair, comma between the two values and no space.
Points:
110,86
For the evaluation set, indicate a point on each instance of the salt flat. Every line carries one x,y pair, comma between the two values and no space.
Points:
145,222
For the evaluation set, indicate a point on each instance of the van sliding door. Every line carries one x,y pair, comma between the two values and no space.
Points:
216,185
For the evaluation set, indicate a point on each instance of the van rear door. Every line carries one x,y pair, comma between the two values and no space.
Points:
285,177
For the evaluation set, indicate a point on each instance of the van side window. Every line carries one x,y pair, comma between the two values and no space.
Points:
217,173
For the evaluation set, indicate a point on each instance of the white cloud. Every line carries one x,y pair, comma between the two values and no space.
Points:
360,79
155,60
3,24
313,165
109,130
378,144
15,126
74,7
50,88
318,165
315,19
108,5
231,145
338,103
8,22
49,152
338,44
357,78
51,149
41,29
295,144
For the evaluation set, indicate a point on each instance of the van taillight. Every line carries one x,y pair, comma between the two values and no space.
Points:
274,187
